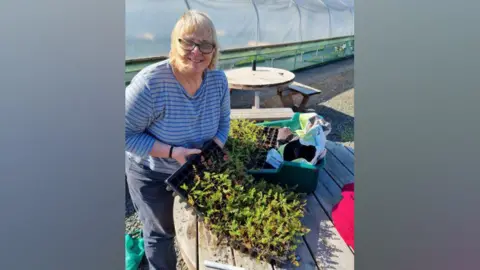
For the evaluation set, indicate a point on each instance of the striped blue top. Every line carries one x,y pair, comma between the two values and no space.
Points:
157,107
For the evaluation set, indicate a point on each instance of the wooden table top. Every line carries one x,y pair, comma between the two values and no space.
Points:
263,77
323,241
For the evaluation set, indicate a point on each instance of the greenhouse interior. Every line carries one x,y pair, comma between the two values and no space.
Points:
286,34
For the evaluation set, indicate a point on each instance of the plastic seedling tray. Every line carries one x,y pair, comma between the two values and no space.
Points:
270,141
211,154
271,137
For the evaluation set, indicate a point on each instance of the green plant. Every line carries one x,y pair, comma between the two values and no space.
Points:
261,217
244,143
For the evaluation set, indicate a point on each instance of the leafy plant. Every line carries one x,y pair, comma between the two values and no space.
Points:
253,215
245,143
262,217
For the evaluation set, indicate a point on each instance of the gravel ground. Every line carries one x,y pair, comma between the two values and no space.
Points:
132,225
340,111
336,104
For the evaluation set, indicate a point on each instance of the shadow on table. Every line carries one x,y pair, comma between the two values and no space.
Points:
321,236
318,242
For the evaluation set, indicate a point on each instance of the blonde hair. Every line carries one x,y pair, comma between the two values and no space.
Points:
191,22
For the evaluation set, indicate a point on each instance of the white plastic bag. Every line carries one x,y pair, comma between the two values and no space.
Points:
314,133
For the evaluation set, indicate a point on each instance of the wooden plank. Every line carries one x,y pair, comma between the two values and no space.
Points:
304,89
338,171
247,262
263,114
210,249
328,192
342,154
324,241
185,232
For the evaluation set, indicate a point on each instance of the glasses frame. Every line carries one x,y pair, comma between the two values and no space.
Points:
198,45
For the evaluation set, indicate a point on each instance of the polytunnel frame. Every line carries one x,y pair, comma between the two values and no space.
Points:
297,6
294,2
258,37
135,64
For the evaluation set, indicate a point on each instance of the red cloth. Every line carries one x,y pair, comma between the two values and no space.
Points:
343,215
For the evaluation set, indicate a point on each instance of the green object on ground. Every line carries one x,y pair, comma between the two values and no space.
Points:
134,251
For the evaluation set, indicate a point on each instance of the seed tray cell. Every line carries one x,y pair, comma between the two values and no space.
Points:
271,137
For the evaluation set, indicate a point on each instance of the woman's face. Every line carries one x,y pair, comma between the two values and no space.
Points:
198,50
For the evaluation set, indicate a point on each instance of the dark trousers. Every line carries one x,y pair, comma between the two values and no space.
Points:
154,205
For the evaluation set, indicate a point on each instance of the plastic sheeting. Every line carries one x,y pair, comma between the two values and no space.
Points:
239,23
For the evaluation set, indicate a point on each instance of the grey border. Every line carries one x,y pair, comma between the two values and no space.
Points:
417,127
62,137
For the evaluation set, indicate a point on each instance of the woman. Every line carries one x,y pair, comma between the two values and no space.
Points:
171,109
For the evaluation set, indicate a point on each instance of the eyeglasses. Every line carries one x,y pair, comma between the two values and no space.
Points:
189,45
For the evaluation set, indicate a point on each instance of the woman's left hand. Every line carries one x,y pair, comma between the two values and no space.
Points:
181,154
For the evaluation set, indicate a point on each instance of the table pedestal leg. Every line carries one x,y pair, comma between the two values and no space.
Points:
257,100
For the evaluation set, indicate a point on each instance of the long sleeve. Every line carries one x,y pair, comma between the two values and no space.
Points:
139,112
224,125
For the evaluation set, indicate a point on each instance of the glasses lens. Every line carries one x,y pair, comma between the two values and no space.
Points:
186,44
190,45
206,48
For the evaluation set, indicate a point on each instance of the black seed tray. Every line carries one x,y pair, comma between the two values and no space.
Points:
211,154
271,137
270,141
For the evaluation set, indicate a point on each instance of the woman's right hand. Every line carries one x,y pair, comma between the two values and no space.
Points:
181,154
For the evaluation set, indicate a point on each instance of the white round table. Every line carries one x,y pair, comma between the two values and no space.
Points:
257,80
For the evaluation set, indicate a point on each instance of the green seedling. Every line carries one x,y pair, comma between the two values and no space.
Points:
261,216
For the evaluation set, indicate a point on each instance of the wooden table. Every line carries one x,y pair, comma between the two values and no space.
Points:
323,241
257,80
